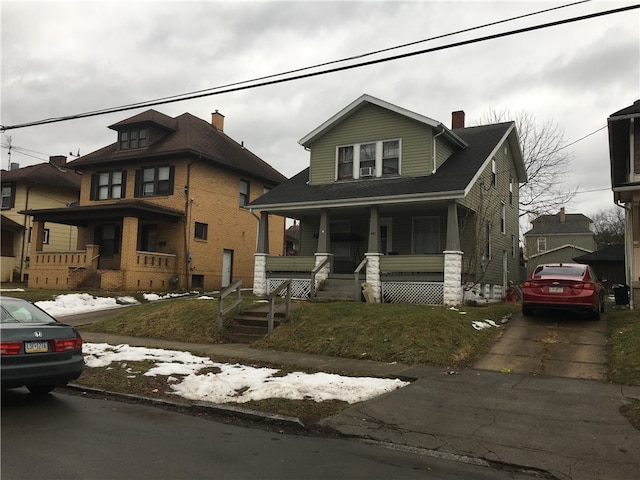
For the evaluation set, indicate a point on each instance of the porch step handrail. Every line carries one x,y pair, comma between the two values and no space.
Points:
85,265
272,302
234,287
314,272
356,274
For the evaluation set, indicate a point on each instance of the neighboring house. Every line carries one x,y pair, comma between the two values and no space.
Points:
291,238
160,208
608,264
395,198
558,238
44,185
624,153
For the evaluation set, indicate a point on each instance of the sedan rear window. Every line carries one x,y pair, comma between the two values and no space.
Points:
18,311
560,271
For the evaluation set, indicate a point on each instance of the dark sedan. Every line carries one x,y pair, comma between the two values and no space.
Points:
563,286
37,351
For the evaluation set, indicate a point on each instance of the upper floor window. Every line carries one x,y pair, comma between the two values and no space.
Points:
542,244
373,159
244,193
135,138
154,181
494,173
514,246
503,218
107,185
511,191
487,250
345,162
8,195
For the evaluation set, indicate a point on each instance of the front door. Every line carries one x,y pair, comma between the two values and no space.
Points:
227,267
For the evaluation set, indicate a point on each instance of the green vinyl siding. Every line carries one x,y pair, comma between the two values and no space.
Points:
372,123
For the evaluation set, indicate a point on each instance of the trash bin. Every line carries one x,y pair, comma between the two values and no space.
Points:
621,294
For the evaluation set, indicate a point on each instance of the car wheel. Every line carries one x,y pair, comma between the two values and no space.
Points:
527,311
601,306
40,389
596,313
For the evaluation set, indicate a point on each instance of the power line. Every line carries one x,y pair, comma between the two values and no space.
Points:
324,72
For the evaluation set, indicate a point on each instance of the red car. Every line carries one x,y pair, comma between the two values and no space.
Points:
563,286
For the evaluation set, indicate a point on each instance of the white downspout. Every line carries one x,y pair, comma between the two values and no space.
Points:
434,149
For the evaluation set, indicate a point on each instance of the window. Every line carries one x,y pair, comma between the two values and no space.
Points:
487,251
154,181
201,230
514,246
363,160
108,238
494,173
8,196
135,138
45,236
107,185
426,236
244,193
345,162
503,218
511,191
542,244
391,157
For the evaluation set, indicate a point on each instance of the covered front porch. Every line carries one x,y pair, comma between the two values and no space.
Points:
402,254
123,248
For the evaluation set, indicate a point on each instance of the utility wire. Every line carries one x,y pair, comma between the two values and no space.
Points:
353,57
330,70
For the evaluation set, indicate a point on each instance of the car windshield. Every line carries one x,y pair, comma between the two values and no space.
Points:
18,311
560,271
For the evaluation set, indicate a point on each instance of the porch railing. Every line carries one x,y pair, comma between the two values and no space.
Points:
412,263
314,273
234,287
272,302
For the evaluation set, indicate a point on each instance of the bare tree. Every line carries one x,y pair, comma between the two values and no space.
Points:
546,162
608,225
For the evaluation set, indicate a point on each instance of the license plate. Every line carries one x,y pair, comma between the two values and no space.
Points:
555,289
36,347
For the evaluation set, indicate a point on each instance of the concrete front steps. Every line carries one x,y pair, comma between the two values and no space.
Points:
337,288
251,325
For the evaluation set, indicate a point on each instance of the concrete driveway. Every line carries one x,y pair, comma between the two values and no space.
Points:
563,345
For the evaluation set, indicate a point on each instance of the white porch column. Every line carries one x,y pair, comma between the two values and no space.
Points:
324,272
452,277
260,286
373,275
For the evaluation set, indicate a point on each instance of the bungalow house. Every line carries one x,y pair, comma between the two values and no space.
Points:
44,185
159,208
394,200
624,155
558,238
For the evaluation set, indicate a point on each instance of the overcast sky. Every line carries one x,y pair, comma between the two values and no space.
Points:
64,58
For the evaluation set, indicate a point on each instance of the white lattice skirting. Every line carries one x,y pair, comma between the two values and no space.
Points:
300,287
429,293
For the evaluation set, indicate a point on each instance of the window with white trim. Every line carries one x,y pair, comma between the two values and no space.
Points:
201,231
494,173
514,247
365,160
244,192
107,185
45,235
487,251
503,218
8,195
135,138
542,244
511,191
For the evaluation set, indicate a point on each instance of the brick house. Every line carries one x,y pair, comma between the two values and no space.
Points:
44,185
421,212
160,208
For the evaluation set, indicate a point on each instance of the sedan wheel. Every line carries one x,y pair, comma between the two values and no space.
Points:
40,389
596,312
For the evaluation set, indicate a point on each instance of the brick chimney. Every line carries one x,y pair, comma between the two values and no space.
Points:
58,160
563,217
217,120
457,119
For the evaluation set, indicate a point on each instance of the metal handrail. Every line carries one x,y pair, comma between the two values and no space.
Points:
356,274
314,272
85,265
236,286
272,298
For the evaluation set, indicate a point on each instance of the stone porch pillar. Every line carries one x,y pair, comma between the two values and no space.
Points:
260,285
452,277
373,275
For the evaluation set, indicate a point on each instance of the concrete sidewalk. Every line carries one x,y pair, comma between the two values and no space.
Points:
570,428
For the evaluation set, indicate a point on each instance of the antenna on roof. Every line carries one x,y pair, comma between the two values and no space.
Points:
75,154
